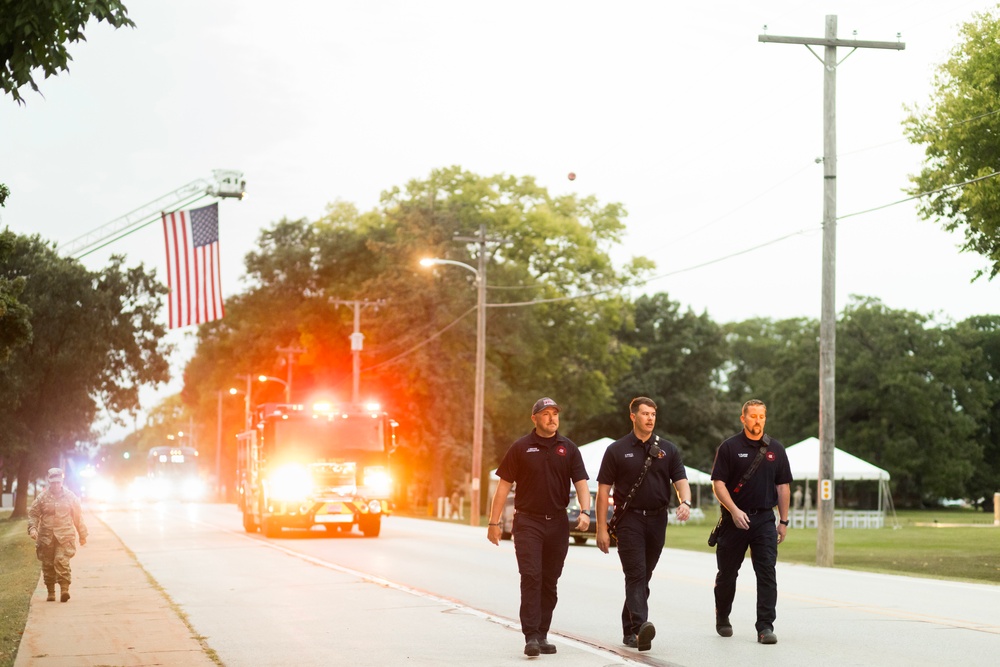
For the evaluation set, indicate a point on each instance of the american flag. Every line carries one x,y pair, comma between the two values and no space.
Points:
192,239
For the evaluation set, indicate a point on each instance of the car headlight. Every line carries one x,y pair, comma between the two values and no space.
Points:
290,483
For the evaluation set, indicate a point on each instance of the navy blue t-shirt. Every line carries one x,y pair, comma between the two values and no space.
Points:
623,461
734,457
544,469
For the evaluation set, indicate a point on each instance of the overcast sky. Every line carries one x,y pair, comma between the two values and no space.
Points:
708,137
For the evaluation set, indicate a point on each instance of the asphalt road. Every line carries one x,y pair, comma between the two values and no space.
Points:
425,592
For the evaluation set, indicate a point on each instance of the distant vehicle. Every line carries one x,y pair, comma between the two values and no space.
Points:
171,474
572,511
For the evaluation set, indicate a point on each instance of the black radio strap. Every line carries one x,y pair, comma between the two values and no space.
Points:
714,535
766,439
654,451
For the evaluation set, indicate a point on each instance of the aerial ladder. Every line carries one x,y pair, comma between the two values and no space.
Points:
225,183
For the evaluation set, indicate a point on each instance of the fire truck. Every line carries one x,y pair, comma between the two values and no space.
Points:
325,464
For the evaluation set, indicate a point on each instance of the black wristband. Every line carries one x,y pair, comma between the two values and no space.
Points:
784,523
495,524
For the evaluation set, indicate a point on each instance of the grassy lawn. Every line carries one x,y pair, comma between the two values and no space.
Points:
18,577
967,553
926,544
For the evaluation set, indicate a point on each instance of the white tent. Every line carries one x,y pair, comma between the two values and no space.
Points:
803,457
804,460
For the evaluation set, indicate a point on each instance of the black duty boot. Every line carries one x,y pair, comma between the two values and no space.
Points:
723,626
545,647
531,648
767,636
644,640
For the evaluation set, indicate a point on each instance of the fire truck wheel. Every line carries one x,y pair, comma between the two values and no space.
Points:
249,524
271,528
370,524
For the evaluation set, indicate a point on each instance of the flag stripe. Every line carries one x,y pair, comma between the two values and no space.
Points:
193,268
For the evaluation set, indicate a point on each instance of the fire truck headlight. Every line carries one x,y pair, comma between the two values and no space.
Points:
374,506
290,483
377,481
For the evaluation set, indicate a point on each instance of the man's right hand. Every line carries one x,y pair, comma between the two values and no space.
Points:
603,539
741,519
33,534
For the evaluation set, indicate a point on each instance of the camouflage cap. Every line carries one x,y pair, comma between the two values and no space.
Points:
56,475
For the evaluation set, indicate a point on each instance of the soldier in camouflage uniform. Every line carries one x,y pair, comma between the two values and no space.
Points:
54,520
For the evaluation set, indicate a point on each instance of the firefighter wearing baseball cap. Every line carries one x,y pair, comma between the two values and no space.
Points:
544,465
54,520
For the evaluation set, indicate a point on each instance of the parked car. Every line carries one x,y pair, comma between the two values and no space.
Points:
572,511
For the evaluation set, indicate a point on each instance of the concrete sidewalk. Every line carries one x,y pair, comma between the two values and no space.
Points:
116,616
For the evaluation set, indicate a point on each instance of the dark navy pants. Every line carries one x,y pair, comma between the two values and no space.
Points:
540,545
640,544
762,540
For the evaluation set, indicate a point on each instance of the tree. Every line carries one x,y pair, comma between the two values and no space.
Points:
778,363
911,395
678,364
34,35
904,401
958,132
95,341
979,337
15,325
548,332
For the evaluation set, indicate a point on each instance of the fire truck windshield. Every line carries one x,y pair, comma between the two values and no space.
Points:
328,437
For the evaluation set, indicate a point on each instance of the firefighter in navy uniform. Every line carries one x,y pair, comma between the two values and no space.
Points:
544,465
748,518
642,524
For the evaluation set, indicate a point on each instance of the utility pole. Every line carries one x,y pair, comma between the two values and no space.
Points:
828,317
357,342
478,417
289,352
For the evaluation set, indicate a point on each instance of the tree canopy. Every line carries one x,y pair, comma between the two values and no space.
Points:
958,131
34,35
15,325
94,341
553,306
912,396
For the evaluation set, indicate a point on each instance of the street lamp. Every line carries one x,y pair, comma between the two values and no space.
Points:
246,399
288,387
477,414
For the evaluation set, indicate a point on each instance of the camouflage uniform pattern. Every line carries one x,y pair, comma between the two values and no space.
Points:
58,519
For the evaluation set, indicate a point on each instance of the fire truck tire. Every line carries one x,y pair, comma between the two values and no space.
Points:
370,524
249,524
271,528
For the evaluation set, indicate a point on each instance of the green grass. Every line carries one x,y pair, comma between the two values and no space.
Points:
967,553
18,578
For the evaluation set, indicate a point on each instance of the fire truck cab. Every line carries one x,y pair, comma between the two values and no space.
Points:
325,464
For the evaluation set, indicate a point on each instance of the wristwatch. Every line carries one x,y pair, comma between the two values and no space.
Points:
784,522
686,502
